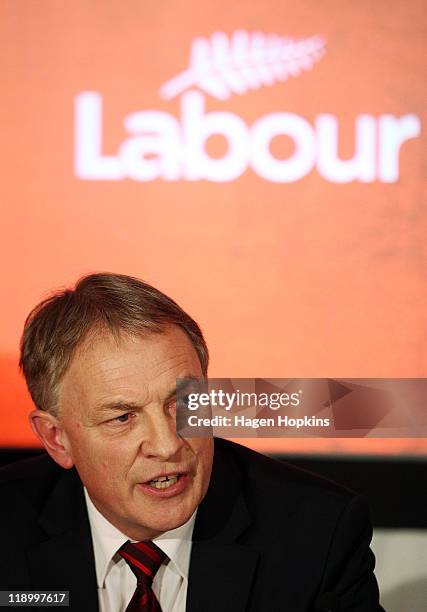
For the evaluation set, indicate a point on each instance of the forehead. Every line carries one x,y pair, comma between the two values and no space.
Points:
130,365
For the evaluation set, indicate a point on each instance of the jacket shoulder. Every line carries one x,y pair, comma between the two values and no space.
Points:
26,468
273,479
29,480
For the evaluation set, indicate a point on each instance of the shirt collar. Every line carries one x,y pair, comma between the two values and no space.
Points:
107,539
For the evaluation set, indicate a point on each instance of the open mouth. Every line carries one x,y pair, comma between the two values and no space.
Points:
167,485
164,482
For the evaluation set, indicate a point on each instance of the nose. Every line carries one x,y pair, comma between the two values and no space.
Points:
160,439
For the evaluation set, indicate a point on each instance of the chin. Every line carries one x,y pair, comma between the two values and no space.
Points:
172,523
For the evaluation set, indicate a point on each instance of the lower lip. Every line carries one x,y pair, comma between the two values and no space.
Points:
175,489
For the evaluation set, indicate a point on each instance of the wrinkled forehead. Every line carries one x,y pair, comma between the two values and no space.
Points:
109,364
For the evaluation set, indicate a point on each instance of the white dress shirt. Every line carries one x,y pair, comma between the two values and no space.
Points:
116,581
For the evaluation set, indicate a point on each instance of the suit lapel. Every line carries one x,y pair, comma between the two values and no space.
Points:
221,569
65,559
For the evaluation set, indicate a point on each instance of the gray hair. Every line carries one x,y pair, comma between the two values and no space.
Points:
101,302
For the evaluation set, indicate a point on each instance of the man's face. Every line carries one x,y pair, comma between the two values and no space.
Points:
117,413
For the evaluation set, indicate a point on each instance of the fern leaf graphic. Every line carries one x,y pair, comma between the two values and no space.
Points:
222,65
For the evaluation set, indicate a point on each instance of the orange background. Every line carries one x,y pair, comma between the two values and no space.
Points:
303,279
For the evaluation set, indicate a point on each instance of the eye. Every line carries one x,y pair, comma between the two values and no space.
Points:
182,401
123,418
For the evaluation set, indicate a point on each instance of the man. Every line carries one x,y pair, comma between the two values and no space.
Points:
129,515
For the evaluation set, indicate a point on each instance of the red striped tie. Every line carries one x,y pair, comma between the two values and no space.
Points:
144,559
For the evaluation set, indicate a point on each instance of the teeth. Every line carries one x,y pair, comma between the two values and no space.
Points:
163,482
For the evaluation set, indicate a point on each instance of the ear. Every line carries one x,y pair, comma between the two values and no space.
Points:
50,432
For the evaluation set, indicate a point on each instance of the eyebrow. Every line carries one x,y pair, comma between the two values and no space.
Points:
123,405
185,382
118,406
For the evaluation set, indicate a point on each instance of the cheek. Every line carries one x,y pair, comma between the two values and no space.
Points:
96,459
103,473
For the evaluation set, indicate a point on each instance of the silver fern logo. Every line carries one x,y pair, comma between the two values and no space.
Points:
221,66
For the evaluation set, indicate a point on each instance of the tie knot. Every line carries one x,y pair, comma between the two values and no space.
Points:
144,559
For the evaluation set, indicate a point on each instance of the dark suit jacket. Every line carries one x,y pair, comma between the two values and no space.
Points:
268,538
